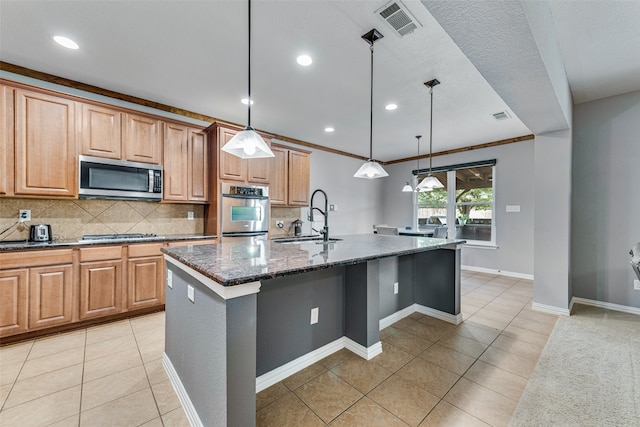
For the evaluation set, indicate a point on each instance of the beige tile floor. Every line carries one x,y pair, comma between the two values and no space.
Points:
431,373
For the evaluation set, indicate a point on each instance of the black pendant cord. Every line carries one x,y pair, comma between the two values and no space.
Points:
371,110
249,72
431,131
418,138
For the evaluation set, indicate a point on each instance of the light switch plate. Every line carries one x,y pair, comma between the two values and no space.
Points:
170,279
314,315
190,216
191,293
513,208
395,288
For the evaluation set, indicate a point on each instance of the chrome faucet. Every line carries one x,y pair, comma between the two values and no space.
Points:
325,213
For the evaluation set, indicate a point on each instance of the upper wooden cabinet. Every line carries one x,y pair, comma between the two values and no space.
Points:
6,141
142,139
186,158
45,145
290,177
233,168
101,134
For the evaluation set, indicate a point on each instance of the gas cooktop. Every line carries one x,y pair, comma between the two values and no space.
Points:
117,236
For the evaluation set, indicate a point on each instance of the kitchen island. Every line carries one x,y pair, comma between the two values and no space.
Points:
243,316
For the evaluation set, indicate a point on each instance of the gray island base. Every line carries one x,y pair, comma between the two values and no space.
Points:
239,315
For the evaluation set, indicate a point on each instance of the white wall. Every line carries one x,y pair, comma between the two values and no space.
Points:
606,198
514,186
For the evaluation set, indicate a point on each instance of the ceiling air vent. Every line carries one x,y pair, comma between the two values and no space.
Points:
502,115
398,16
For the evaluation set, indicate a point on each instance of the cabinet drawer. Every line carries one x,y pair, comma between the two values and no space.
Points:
101,253
36,258
150,249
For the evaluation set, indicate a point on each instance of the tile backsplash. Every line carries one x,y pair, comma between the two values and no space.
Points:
70,219
287,216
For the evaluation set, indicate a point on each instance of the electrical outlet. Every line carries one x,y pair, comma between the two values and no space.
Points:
280,224
314,315
191,294
25,215
170,279
190,215
636,285
395,288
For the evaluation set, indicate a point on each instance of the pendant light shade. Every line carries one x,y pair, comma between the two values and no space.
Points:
371,169
430,182
407,188
248,144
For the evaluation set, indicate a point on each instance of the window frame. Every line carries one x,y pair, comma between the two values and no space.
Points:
452,205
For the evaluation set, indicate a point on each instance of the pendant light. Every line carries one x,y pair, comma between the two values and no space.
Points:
407,187
248,144
430,182
371,169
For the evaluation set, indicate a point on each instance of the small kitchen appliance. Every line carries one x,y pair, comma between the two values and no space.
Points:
40,233
297,228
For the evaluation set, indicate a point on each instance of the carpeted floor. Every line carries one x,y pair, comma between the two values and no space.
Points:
588,373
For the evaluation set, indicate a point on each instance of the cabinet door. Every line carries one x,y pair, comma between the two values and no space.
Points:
45,147
230,167
198,166
176,167
100,288
298,178
141,139
278,186
6,140
50,296
145,284
101,136
13,301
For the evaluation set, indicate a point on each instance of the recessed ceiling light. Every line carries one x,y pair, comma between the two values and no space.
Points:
329,129
66,42
245,101
390,107
304,60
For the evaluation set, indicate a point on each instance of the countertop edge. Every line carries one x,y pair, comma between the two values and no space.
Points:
28,246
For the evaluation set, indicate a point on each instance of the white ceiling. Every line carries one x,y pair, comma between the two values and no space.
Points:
193,55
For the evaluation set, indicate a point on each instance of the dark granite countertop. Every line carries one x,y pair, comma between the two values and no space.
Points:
241,262
69,243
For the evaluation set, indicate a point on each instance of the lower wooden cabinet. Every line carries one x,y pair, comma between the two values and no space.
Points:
145,276
50,295
101,281
14,302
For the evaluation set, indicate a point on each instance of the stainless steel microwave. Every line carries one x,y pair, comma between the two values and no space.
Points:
119,179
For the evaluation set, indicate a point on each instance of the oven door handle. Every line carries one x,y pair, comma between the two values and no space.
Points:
241,196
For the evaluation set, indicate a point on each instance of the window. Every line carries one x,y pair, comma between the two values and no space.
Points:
465,205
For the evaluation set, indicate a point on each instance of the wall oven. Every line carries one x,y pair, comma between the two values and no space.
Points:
245,211
119,179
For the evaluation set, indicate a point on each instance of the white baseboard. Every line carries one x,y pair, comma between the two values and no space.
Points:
456,319
398,315
551,309
272,377
367,353
607,305
498,272
188,407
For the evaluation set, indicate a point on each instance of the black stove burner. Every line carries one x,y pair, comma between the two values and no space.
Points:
117,236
